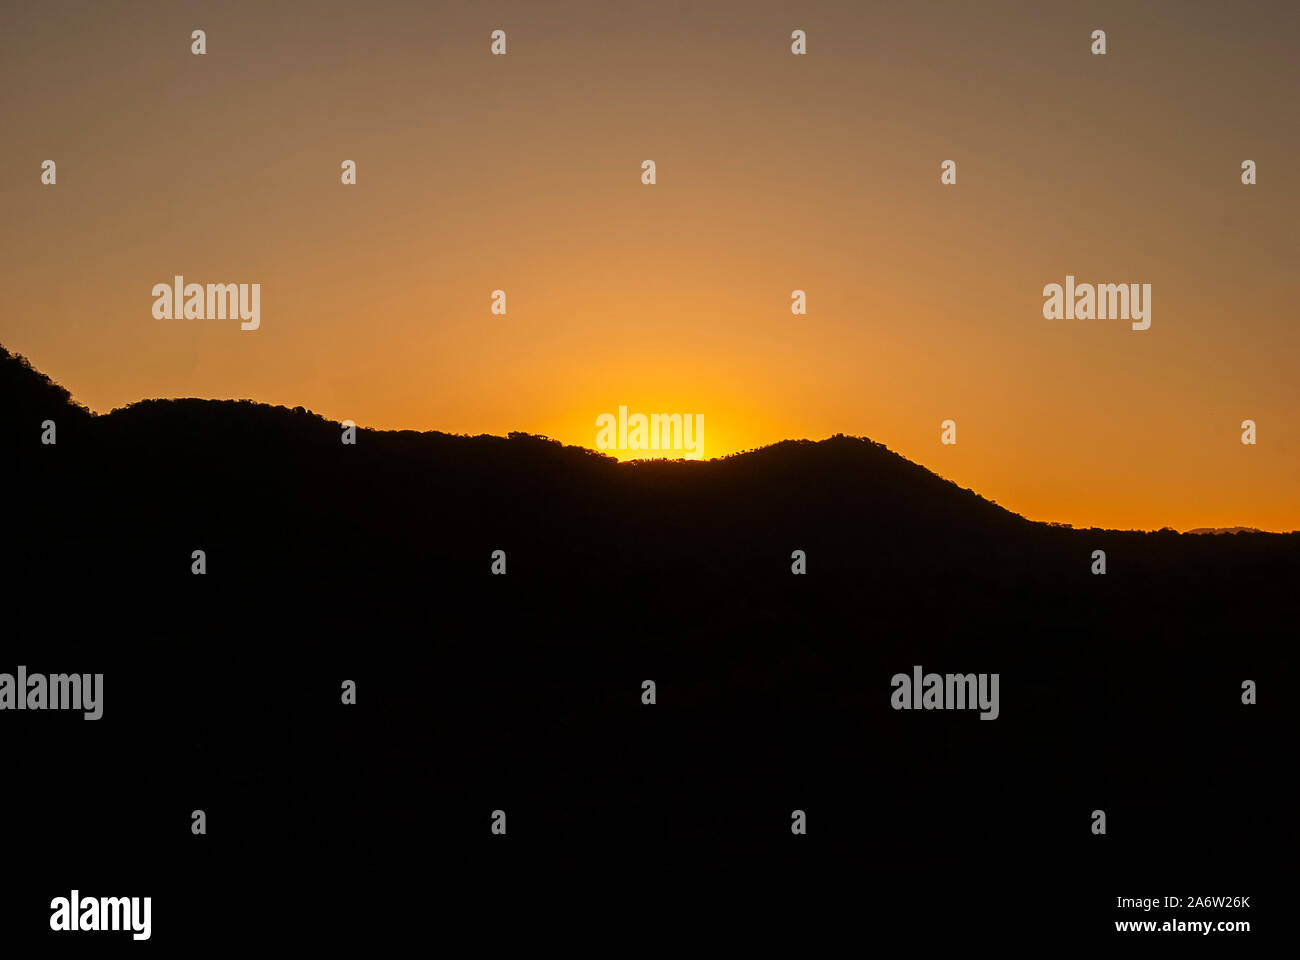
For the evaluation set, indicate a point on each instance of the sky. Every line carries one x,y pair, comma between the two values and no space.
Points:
774,172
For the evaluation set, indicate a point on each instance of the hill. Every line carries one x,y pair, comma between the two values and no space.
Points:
373,563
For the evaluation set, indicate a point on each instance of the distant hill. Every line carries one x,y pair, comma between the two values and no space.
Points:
373,563
1225,530
854,472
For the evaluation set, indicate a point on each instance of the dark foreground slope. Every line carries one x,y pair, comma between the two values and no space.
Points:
522,692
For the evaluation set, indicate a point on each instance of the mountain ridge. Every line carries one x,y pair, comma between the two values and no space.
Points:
499,602
34,396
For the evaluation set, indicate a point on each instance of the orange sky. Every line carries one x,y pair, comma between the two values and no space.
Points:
775,172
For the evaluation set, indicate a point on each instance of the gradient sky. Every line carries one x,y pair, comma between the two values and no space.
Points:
775,172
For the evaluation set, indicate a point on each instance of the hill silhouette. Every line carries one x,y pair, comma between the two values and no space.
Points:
371,563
